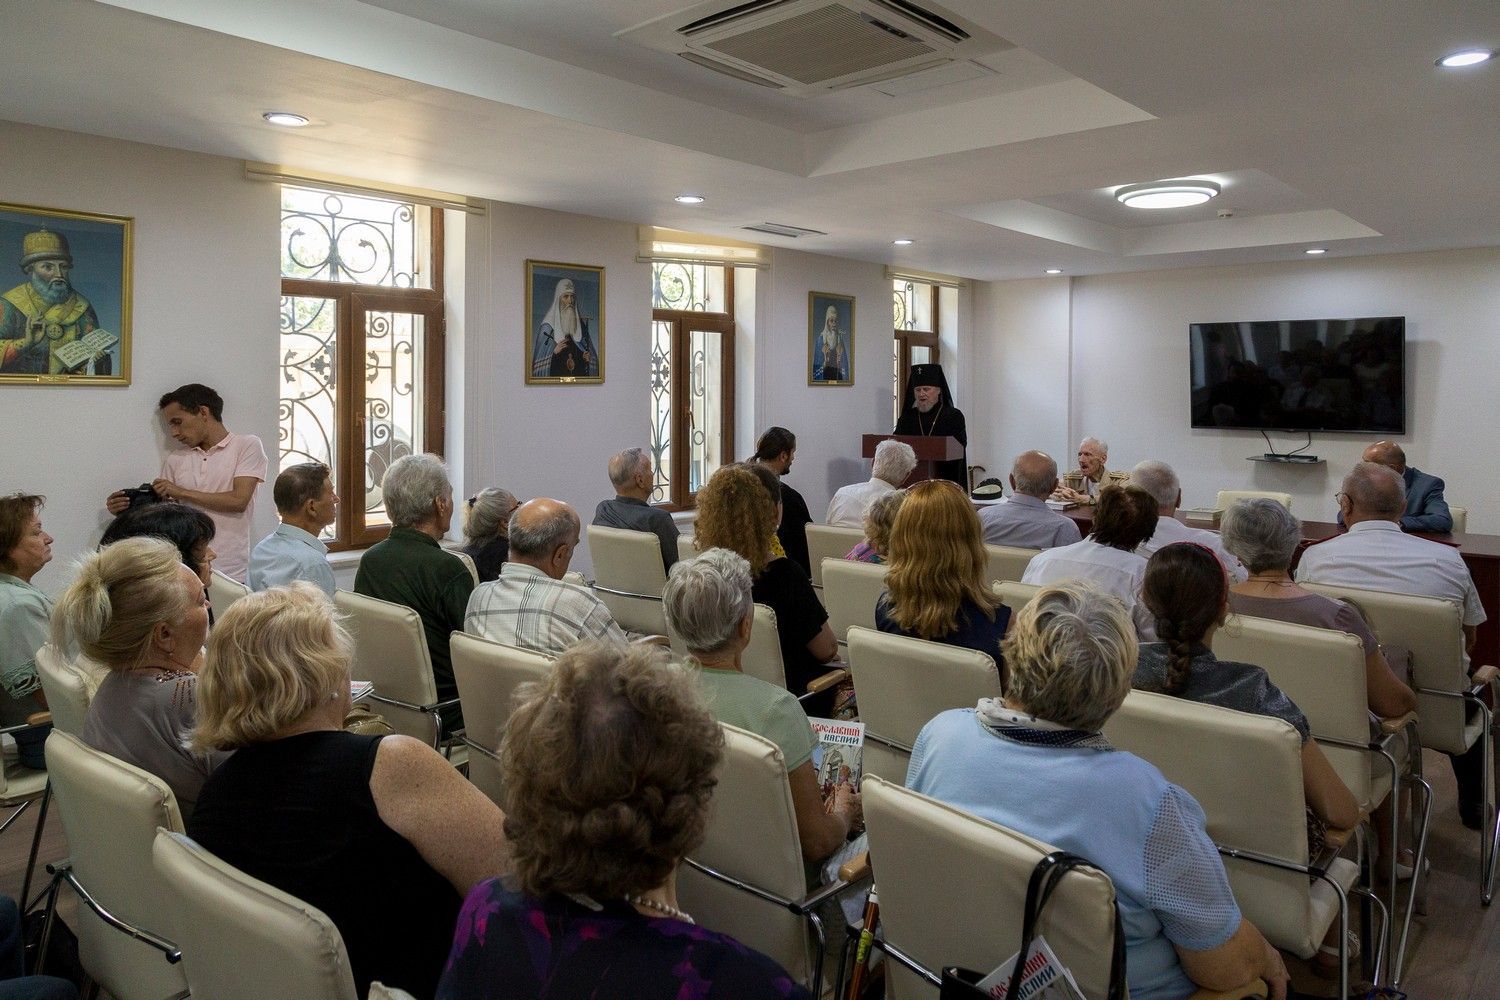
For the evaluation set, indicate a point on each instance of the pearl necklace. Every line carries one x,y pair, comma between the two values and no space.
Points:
665,908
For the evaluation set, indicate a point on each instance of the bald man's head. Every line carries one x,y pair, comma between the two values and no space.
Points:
542,533
1034,474
1388,454
1374,492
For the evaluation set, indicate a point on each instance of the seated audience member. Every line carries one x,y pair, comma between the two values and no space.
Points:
774,452
893,462
14,984
186,527
937,586
1125,517
25,616
531,605
1375,554
737,511
1024,520
1187,592
878,521
379,832
1426,509
307,504
487,531
138,610
1092,475
409,566
609,768
1158,479
1069,657
707,602
633,477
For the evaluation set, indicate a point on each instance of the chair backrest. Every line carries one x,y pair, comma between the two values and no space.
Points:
751,836
829,541
1228,498
1460,519
628,577
850,593
687,548
110,811
1246,772
1014,594
762,657
222,592
487,674
242,939
468,562
65,687
1432,630
1323,672
1006,562
953,891
390,651
904,682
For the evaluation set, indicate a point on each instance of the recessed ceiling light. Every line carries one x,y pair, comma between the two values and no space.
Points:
1054,270
903,242
1176,193
689,199
1316,250
285,118
1466,57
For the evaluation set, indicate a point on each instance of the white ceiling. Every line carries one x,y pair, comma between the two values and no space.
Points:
1329,120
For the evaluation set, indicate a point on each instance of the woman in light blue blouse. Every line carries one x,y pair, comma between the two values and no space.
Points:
25,615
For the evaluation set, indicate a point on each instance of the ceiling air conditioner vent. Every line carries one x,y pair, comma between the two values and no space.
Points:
779,229
810,47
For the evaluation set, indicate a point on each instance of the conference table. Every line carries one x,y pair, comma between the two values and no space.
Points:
1481,553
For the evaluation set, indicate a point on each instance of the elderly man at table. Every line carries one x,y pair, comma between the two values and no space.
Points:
631,473
1159,480
1426,509
1024,520
1093,476
894,461
1377,555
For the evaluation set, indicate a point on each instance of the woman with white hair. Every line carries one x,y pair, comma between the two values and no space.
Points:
708,603
487,530
1070,655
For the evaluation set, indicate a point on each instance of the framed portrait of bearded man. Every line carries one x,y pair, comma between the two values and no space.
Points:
564,323
65,309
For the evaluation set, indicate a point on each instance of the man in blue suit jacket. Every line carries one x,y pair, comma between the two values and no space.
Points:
1426,510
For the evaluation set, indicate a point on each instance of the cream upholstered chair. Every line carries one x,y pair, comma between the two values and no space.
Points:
850,592
1228,498
953,892
628,577
904,682
222,592
241,938
468,562
687,548
829,541
110,812
751,850
1006,562
1246,772
1015,595
762,657
390,651
66,689
1460,519
380,991
488,674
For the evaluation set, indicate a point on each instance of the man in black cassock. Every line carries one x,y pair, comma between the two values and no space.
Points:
929,412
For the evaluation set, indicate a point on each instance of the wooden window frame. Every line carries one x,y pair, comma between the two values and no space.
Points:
907,339
684,322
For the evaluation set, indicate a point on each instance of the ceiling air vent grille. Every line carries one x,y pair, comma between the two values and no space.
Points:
728,70
779,229
729,15
931,19
824,43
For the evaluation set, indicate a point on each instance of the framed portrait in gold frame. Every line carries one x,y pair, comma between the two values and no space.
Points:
830,339
564,323
66,319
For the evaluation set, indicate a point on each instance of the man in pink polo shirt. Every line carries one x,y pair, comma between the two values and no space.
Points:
214,470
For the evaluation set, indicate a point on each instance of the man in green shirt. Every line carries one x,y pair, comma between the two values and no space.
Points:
409,567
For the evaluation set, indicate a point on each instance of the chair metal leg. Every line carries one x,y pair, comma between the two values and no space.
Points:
1398,959
1489,824
36,842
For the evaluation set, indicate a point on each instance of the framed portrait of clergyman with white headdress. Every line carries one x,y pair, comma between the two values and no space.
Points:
830,339
65,309
564,324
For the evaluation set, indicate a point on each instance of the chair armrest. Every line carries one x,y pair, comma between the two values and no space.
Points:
855,868
38,718
1486,674
831,679
1256,988
1398,723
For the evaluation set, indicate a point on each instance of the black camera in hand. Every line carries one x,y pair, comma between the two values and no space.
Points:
139,496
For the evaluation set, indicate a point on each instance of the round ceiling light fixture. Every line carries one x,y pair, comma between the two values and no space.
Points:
286,119
902,242
1054,270
1316,250
690,199
1176,193
1466,57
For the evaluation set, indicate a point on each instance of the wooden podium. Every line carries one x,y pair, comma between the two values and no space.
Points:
930,450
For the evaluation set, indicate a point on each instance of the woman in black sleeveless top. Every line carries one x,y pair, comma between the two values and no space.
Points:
380,833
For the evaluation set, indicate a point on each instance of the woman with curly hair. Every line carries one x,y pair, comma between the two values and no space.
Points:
737,510
879,519
936,587
609,768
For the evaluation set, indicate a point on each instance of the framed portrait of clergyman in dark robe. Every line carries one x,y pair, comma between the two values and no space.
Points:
830,339
564,323
65,306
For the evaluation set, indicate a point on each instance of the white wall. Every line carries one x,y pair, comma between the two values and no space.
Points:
206,296
1127,380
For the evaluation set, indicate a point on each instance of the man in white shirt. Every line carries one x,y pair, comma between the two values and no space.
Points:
893,462
1159,480
1024,520
307,504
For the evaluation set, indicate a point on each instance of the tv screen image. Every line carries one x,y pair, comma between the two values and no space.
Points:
1300,375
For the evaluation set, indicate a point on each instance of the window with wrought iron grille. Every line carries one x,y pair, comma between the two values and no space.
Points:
916,334
692,377
362,341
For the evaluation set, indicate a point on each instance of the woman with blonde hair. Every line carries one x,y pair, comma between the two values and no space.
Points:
379,832
936,587
880,517
736,511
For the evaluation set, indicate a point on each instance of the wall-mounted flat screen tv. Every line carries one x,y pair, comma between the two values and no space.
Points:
1301,375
